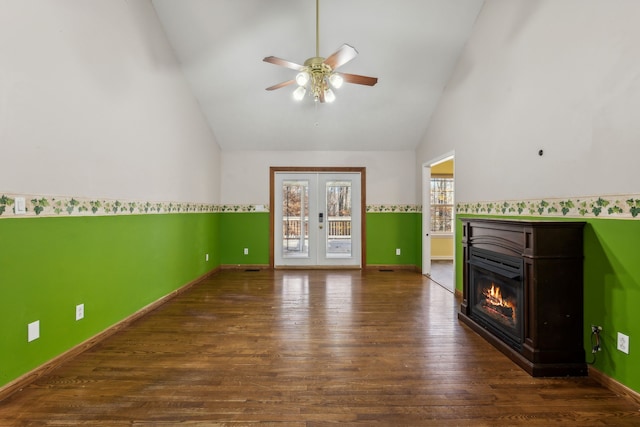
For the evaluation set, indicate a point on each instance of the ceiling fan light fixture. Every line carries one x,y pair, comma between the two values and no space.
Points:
336,80
329,96
317,74
302,78
299,93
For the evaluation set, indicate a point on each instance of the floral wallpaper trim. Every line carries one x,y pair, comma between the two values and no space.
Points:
243,208
394,208
47,206
616,206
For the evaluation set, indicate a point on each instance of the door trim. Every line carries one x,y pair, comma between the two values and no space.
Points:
426,207
426,220
303,169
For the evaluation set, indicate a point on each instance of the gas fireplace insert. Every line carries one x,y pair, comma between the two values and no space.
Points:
496,294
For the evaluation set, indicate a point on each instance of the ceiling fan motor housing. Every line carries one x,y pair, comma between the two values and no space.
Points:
319,72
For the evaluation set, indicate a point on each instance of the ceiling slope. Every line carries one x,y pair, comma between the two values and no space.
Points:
411,45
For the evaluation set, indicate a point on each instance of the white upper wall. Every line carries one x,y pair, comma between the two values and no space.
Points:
93,104
562,76
389,174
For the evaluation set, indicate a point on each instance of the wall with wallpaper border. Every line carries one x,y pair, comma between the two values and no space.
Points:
624,206
47,206
613,206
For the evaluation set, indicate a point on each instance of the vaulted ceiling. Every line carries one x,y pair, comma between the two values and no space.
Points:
411,46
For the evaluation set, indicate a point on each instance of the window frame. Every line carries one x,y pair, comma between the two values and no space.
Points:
438,233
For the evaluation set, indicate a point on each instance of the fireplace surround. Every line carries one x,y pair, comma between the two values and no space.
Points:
522,291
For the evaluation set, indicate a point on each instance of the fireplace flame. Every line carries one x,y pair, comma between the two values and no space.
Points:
495,301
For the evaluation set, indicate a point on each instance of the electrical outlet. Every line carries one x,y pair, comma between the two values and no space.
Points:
79,311
206,257
623,342
33,331
397,251
246,251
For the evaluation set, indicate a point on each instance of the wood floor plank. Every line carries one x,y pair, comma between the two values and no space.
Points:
307,348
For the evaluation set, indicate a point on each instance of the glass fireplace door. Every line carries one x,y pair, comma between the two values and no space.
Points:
496,294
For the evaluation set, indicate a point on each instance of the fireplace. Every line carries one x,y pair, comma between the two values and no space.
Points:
496,294
523,291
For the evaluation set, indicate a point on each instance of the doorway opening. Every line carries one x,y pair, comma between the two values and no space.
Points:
438,219
317,217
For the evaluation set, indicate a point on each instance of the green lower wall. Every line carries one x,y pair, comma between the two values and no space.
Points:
113,265
387,231
611,293
384,233
244,230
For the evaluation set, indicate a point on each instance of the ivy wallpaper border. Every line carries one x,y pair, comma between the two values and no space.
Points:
615,207
52,206
393,208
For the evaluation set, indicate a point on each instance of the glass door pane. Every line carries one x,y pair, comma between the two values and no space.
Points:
295,219
338,222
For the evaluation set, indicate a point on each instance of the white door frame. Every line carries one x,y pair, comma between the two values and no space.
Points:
426,219
338,170
426,213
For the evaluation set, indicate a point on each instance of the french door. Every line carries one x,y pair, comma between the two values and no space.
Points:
317,219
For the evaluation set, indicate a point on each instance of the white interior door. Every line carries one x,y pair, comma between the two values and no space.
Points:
317,219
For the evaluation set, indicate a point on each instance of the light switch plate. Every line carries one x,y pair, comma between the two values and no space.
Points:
20,206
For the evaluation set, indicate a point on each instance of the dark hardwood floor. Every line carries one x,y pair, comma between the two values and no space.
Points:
307,348
442,274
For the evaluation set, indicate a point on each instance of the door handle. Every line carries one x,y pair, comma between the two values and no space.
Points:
320,220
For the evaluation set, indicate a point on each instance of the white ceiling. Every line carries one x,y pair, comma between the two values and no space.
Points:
410,45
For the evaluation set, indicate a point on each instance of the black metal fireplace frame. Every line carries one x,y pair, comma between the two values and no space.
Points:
507,271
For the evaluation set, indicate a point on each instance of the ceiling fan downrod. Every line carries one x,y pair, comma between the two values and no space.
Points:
317,28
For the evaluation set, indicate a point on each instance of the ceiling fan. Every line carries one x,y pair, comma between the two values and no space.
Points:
318,73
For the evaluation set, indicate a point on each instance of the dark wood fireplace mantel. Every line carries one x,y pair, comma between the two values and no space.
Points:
552,277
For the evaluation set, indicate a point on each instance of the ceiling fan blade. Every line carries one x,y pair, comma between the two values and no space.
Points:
279,85
358,79
341,56
284,63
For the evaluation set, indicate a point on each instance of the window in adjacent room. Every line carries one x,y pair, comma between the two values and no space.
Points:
441,204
